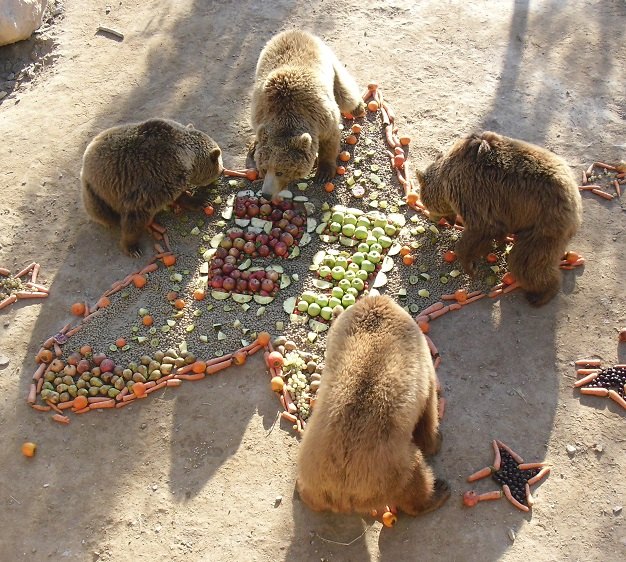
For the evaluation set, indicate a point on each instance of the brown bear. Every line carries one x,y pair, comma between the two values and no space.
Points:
133,171
300,90
375,417
502,186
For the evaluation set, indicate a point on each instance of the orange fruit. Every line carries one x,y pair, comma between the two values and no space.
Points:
351,139
179,304
44,356
344,156
408,259
199,367
78,308
139,389
80,402
169,260
373,105
120,342
209,210
460,295
405,250
404,141
389,519
85,350
277,384
571,257
275,359
356,128
492,258
263,338
449,256
239,357
252,175
508,278
412,198
103,302
341,170
139,280
28,449
147,320
330,187
199,294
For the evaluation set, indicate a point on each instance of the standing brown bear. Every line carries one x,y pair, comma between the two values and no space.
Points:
133,171
300,90
502,186
375,417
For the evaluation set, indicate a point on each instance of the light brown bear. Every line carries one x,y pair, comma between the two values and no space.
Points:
300,90
375,417
502,186
133,171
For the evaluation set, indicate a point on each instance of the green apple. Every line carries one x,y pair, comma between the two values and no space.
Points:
309,296
390,229
363,221
314,309
380,222
335,227
348,230
326,313
329,260
362,274
363,247
385,241
376,247
358,257
303,305
358,284
361,232
324,271
378,231
353,267
334,301
337,272
352,291
341,261
348,300
344,284
368,266
350,274
337,292
349,218
337,217
374,257
322,300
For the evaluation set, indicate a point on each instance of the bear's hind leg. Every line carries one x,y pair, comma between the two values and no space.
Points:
534,262
423,492
97,208
346,92
426,433
133,225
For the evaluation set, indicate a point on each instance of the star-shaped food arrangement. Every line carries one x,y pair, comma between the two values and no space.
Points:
512,473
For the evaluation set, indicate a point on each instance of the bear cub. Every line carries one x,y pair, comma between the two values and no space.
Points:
133,171
375,417
300,90
500,186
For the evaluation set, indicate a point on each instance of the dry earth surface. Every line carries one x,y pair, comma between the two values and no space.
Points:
195,474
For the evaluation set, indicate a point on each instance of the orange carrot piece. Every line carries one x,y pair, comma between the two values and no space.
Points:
39,288
545,470
96,399
613,395
122,393
157,387
83,410
511,452
99,405
432,308
495,293
129,396
164,378
439,312
509,496
448,297
474,299
57,349
31,295
25,270
482,473
433,348
212,369
587,371
184,369
74,331
233,173
149,268
511,287
6,302
173,382
40,371
527,465
602,392
156,226
289,417
605,166
441,407
66,405
54,407
497,458
493,495
585,380
61,418
192,377
291,407
40,408
121,404
588,363
32,394
455,306
5,272
603,194
254,349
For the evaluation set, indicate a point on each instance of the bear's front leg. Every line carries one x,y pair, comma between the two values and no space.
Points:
327,157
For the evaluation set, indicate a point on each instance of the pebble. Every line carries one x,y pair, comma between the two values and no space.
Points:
154,487
511,534
571,449
278,500
4,361
617,509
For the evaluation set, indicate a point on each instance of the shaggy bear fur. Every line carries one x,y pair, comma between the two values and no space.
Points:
133,171
375,417
300,89
502,186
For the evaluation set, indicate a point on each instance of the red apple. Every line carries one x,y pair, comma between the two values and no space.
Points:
263,251
242,285
253,210
265,209
249,248
238,243
229,284
228,268
280,249
217,282
254,284
267,285
287,239
273,275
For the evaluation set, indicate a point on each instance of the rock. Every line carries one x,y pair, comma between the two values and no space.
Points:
511,534
3,94
19,18
571,449
617,510
4,360
277,501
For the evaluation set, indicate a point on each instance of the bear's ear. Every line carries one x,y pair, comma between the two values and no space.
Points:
215,154
189,126
484,147
302,142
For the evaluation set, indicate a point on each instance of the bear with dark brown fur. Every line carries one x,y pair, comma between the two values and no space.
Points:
502,186
133,171
300,90
375,417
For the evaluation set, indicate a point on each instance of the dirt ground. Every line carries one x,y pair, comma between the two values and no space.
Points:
196,474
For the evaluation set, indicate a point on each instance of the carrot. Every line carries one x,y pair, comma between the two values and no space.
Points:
372,105
605,166
617,398
233,173
509,496
5,272
584,178
147,320
31,295
149,269
173,382
96,399
356,128
437,362
424,326
61,418
432,308
545,470
511,452
25,270
263,338
495,293
32,393
439,313
39,385
74,331
54,407
587,371
590,169
585,380
157,387
104,404
103,302
193,377
482,473
289,417
431,346
159,248
83,410
122,393
40,371
185,369
48,343
121,404
603,392
527,465
441,407
39,288
40,408
474,299
156,226
510,288
529,497
291,407
164,378
212,369
497,458
139,389
130,396
57,349
588,363
603,194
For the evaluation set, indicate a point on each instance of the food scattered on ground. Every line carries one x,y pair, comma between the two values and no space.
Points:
14,288
604,382
514,476
604,180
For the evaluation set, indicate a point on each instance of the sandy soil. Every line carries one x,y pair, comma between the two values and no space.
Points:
195,474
